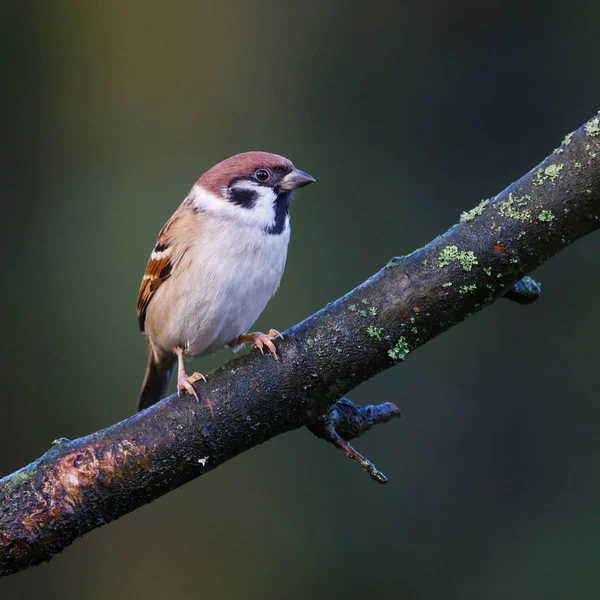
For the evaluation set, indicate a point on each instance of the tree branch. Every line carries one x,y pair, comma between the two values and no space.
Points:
82,484
344,421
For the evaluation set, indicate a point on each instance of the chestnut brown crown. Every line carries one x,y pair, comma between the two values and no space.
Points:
252,165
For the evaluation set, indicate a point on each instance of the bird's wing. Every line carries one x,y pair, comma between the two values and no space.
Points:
172,244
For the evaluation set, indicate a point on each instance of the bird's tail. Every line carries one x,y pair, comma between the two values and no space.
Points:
156,381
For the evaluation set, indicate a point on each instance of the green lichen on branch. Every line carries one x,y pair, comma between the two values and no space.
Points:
474,212
566,141
465,289
400,350
511,208
18,478
450,254
550,173
375,332
546,216
592,127
467,260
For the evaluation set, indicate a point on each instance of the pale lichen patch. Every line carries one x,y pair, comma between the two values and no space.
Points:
449,254
513,208
400,350
592,127
566,141
550,173
466,289
546,216
474,212
375,332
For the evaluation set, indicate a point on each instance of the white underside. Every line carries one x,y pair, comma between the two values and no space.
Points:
218,290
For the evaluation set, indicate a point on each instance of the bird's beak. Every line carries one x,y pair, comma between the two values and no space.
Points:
296,179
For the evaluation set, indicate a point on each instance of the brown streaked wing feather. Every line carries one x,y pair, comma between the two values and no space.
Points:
168,251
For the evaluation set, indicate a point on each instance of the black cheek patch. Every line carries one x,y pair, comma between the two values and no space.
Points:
243,198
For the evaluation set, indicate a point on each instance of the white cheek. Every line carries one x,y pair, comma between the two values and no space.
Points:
263,211
262,214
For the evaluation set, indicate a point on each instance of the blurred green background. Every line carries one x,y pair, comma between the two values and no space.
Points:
407,114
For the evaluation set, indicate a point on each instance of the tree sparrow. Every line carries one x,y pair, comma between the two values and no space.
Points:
217,262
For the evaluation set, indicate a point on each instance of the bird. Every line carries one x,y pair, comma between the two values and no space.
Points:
216,264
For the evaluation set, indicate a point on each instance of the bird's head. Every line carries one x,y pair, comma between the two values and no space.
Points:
254,188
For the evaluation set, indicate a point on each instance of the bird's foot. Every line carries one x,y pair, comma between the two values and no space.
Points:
260,340
184,383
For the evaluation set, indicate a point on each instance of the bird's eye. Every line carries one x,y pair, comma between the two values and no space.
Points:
262,175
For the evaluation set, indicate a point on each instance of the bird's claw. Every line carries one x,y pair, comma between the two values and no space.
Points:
260,340
184,383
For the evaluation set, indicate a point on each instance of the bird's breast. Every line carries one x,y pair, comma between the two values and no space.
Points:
230,277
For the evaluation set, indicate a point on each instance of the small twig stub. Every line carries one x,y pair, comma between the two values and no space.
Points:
345,421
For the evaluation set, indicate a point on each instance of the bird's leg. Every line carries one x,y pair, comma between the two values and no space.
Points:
184,383
260,340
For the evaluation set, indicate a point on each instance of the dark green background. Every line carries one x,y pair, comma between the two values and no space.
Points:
407,114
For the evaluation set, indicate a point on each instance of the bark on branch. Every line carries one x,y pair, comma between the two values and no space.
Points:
82,484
